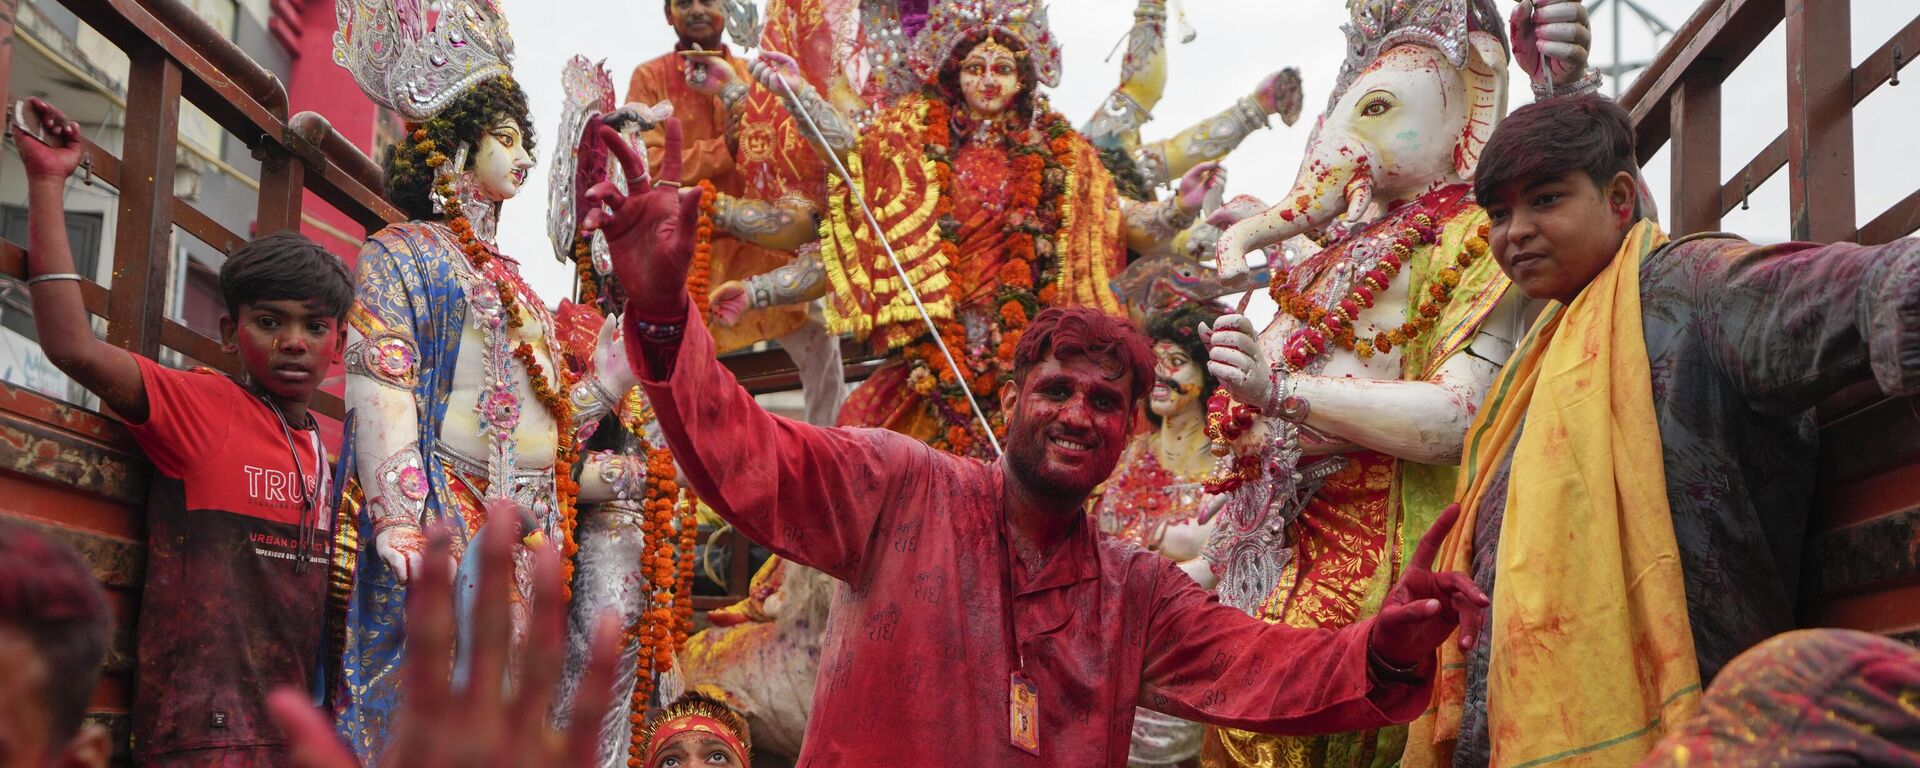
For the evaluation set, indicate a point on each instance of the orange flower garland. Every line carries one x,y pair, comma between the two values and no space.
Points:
650,633
1321,327
583,270
701,272
564,454
683,593
480,256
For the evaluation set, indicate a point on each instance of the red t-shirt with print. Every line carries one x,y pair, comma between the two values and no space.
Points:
225,617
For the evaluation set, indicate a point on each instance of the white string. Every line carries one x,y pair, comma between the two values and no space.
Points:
880,234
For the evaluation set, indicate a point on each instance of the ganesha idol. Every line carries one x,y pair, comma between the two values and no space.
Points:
1348,411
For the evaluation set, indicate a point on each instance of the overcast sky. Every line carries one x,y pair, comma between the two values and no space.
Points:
1238,41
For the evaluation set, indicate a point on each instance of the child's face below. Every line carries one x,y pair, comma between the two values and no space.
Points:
25,720
286,345
1552,235
694,749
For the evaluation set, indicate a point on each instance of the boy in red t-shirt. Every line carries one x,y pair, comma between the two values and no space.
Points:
237,528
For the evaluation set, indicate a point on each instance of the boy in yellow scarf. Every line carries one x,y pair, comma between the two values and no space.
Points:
1635,491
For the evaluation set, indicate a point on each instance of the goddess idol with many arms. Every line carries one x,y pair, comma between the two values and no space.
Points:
455,378
996,206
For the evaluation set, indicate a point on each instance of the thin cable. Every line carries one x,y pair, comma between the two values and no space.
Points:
854,190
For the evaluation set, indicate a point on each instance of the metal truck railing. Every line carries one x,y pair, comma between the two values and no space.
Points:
75,472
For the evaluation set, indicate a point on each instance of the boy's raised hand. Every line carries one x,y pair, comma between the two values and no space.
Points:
60,154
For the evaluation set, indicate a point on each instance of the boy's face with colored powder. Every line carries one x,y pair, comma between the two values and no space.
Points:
285,345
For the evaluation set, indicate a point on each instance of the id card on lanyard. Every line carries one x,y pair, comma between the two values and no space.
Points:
1023,700
1023,696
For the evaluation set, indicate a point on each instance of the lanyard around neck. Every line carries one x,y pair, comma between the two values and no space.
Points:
1014,653
309,494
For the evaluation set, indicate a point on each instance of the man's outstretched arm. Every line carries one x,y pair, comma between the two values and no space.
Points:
810,494
1214,664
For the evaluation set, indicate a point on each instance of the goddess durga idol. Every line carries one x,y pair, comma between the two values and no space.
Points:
994,204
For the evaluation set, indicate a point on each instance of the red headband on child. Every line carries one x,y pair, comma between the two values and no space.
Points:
702,723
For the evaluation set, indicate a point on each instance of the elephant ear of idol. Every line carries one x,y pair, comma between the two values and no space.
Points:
1468,35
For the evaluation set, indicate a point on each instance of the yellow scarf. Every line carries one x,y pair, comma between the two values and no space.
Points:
1592,657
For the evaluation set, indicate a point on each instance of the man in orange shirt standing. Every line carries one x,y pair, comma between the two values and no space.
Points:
707,87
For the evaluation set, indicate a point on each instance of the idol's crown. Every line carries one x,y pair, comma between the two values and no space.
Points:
1444,25
949,20
415,66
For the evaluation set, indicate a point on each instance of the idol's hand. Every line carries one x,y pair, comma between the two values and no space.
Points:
719,75
644,117
1279,94
650,229
1234,210
1426,607
774,68
1557,28
1235,359
610,355
728,302
490,723
1197,182
401,547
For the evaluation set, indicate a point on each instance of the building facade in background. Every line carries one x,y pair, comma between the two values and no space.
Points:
58,58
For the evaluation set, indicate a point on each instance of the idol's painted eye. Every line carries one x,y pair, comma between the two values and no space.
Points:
1376,108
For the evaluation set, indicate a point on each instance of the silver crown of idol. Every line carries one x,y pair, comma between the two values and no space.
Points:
950,20
1443,25
414,69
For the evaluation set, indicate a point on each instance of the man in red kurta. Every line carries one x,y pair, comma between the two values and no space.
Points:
981,618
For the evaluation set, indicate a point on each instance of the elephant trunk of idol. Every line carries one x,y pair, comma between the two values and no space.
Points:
1336,177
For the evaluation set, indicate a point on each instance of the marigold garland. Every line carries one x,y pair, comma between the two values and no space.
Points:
701,272
1325,327
480,256
583,270
683,593
650,634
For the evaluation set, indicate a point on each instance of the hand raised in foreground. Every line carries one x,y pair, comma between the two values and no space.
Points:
1426,607
486,724
650,228
60,154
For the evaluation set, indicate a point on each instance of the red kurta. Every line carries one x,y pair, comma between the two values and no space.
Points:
916,662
